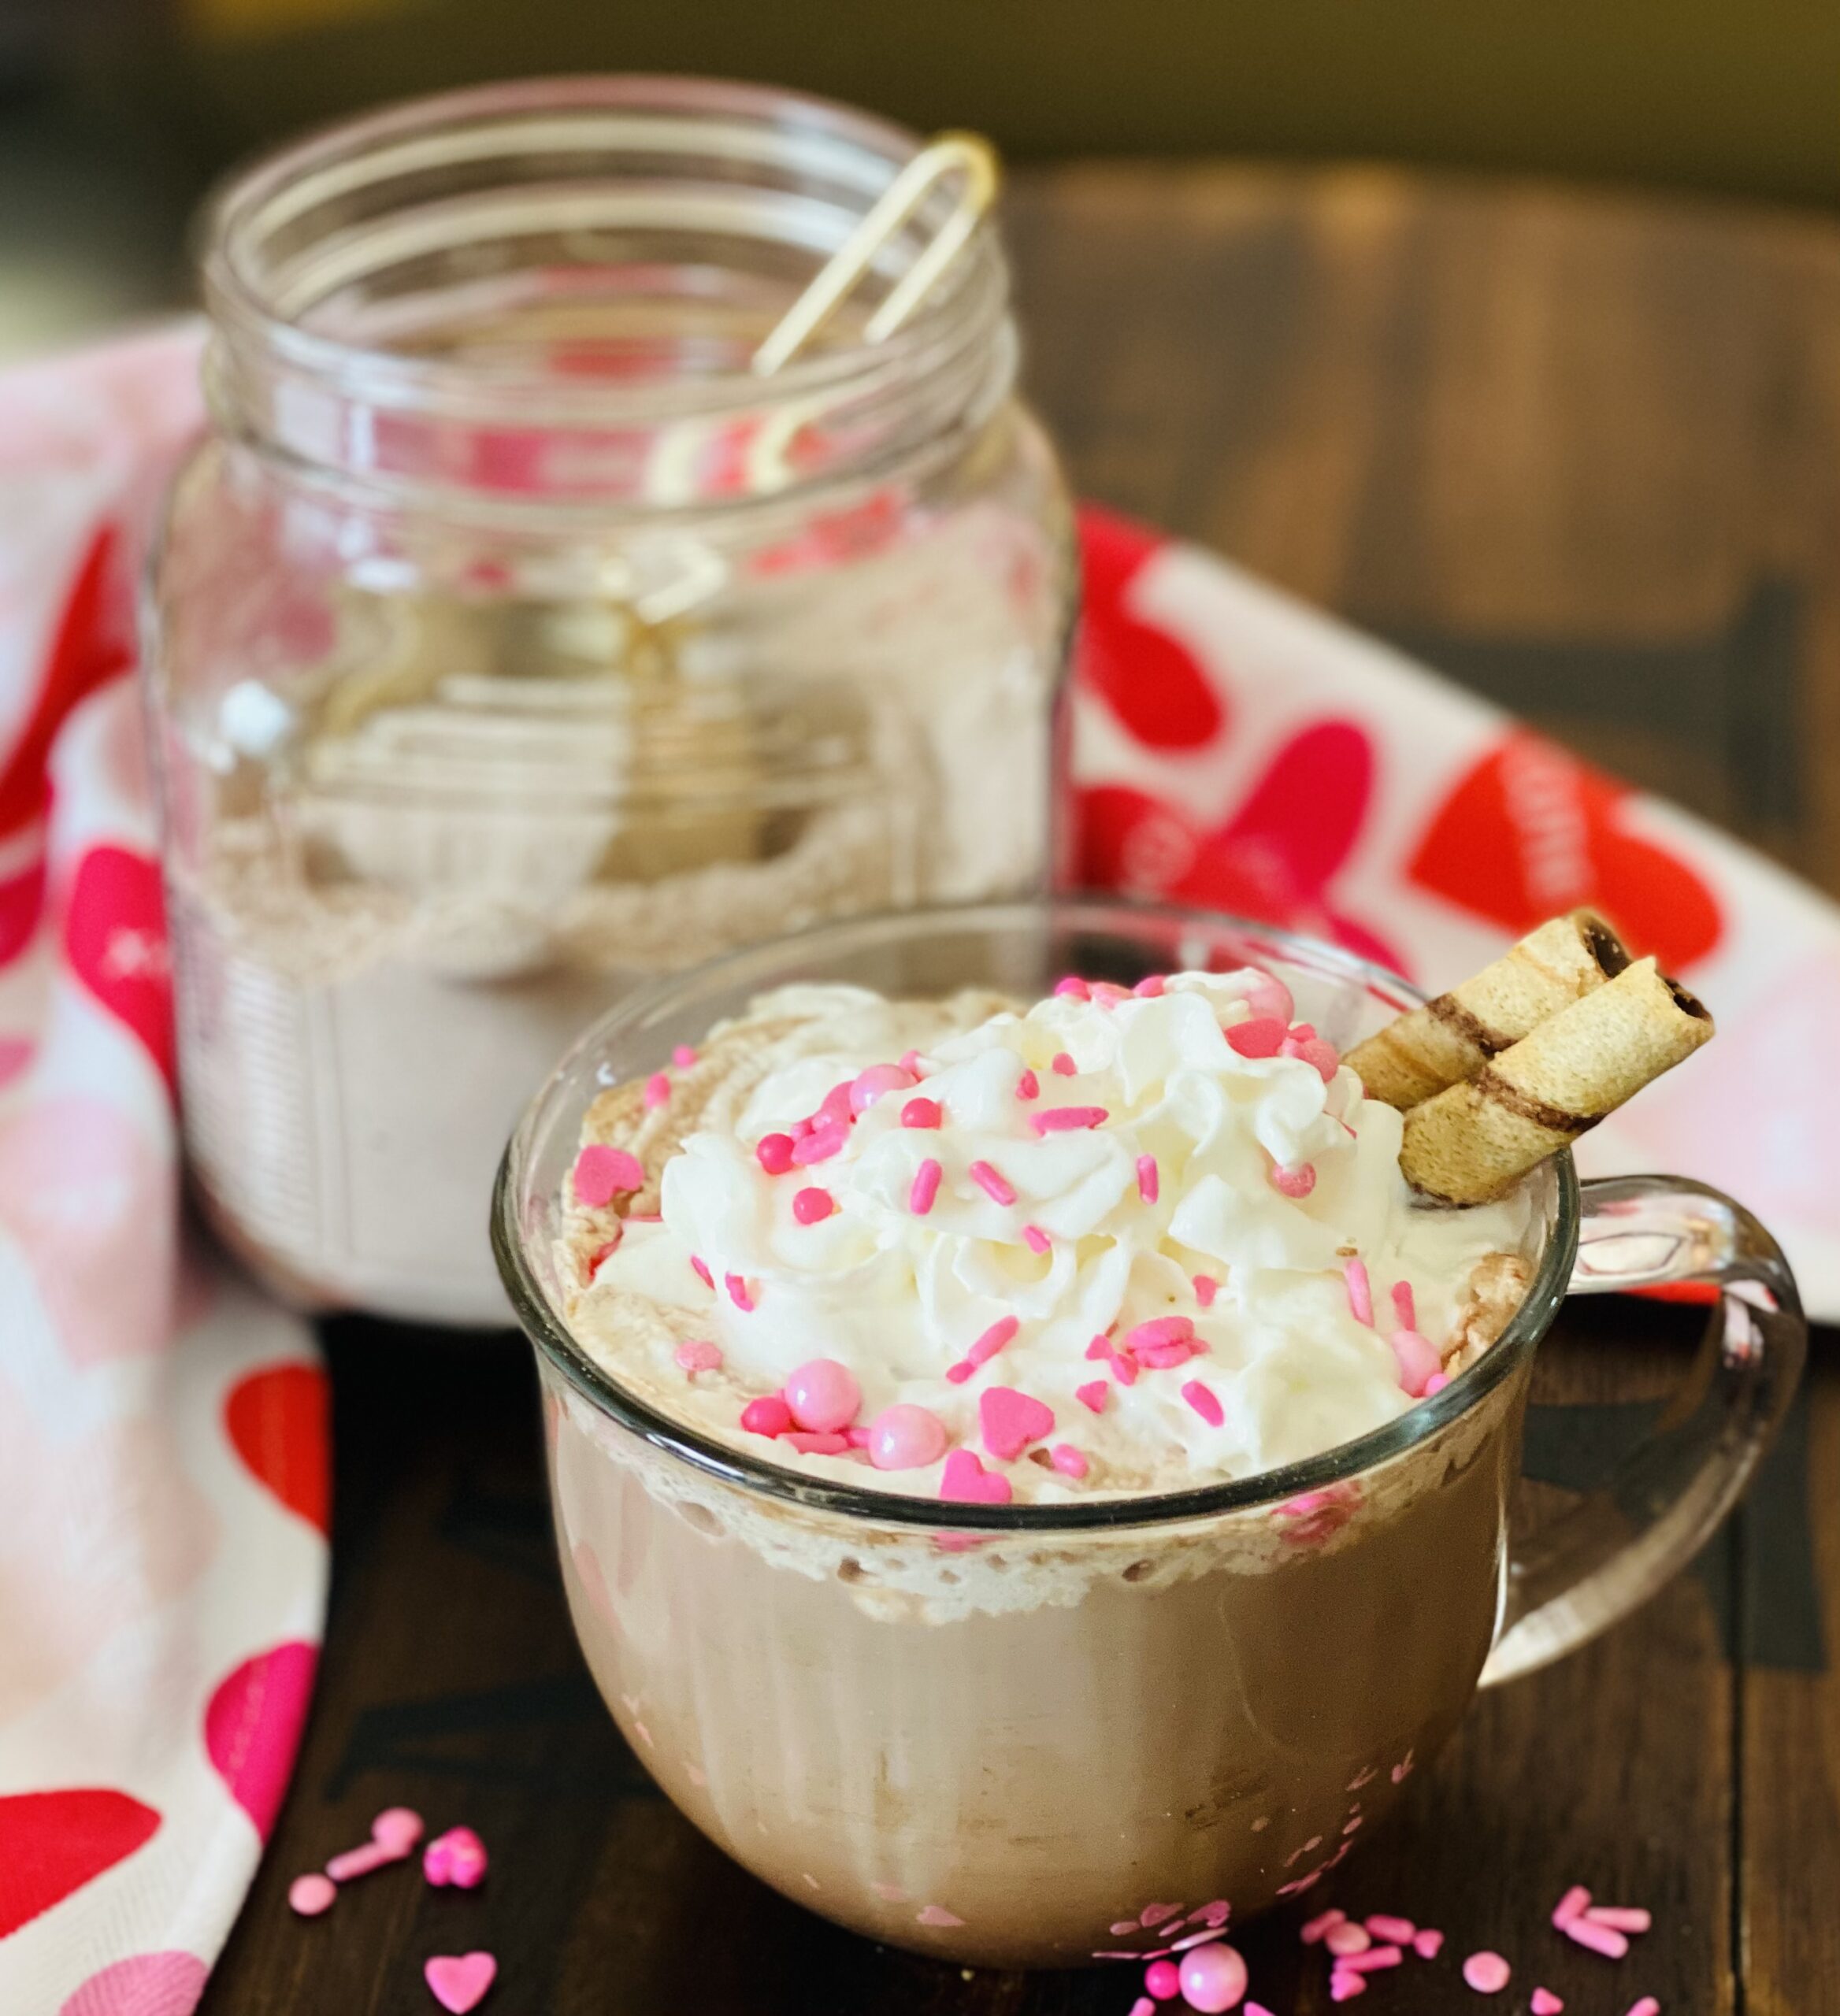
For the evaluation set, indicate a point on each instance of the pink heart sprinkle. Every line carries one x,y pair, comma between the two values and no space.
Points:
1011,1421
601,1173
1543,2001
458,1981
1093,1395
1263,1036
1064,1066
965,1480
1428,1942
1068,1461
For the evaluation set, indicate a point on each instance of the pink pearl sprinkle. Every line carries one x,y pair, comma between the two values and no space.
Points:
1488,1974
1068,1119
1345,1937
741,1292
1436,1384
1062,1065
1036,1239
993,1340
1213,1977
1595,1938
1149,1183
601,1172
774,1152
1324,1921
1396,1931
868,1086
657,1090
684,1056
1072,988
1261,1037
1150,988
910,1060
922,1112
308,1895
701,1269
1405,1308
769,1415
1620,1917
926,1188
1067,1460
1093,1395
905,1437
1360,1290
1417,1360
820,1144
1202,1400
1428,1942
1028,1086
1294,1183
994,1184
1647,2006
1576,1899
812,1206
1543,2001
698,1355
823,1396
1164,1979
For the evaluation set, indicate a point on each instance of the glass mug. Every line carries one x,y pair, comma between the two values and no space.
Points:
1021,1736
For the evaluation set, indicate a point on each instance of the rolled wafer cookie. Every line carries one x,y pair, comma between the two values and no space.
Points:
1470,1142
1452,1038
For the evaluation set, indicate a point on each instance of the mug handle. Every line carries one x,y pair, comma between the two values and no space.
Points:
1595,1563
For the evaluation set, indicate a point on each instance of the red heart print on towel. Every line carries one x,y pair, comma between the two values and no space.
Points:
1148,679
150,1984
253,1725
277,1421
1531,831
115,937
53,1843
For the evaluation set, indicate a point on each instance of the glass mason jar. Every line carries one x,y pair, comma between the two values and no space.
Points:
514,643
1039,1734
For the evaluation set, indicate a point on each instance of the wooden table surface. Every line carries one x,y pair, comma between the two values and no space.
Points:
1583,452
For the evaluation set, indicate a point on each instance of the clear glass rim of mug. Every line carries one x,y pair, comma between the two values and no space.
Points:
548,1331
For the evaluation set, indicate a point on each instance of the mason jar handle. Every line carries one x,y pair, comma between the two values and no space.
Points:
1594,1563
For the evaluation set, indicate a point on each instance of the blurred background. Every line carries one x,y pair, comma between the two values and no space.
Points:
115,114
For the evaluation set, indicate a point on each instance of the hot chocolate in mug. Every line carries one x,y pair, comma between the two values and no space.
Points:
1024,1735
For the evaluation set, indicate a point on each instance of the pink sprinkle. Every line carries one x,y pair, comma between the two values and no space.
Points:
657,1090
1294,1183
1150,988
741,1292
1109,994
1417,1360
1036,1239
1397,1932
1576,1899
598,1256
697,1355
456,1858
1163,1980
858,1438
1214,1977
1063,1066
1068,1119
1543,2001
1620,1917
965,1481
1404,1308
1143,2006
701,1269
994,1185
812,1206
774,1152
1072,988
1148,1182
1011,1421
1124,1368
1156,1914
1374,1960
823,1396
812,1442
1254,2008
1312,1050
879,1079
601,1172
1345,1939
1360,1290
906,1437
959,1371
1595,1938
1260,1037
1488,1974
1428,1943
1436,1384
926,1188
684,1056
1067,1460
1324,1921
993,1340
1647,2006
769,1415
922,1112
835,1109
1203,1403
1093,1395
1028,1086
1345,1985
1205,1289
1123,1929
308,1895
1165,1358
1160,1330
820,1144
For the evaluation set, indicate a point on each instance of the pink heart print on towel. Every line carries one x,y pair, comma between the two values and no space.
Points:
54,1842
115,937
253,1724
149,1984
